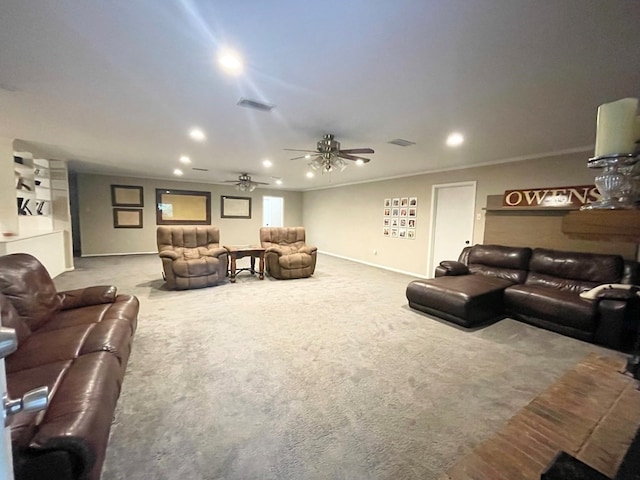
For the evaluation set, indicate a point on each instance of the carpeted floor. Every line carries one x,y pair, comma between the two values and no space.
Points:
331,377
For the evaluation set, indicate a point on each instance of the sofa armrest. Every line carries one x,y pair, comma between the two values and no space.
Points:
169,254
619,323
216,252
452,268
83,297
308,249
277,250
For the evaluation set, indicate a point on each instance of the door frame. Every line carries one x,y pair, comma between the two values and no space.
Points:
434,211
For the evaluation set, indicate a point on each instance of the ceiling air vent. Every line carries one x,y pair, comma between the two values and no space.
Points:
265,107
200,169
401,143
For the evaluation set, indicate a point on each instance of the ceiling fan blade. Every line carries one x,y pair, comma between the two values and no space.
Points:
306,156
341,154
358,150
230,181
261,183
296,150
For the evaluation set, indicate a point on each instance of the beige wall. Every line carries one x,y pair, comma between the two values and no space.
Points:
98,236
347,221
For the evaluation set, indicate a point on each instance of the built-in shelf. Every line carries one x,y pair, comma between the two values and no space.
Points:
33,185
607,225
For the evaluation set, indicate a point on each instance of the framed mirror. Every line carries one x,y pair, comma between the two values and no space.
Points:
183,207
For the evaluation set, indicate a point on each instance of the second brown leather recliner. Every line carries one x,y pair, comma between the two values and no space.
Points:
287,255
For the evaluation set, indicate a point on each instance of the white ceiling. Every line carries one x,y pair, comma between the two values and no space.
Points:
114,86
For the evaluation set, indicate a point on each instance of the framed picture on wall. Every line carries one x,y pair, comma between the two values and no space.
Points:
127,218
127,196
235,207
387,202
404,202
411,233
402,232
413,201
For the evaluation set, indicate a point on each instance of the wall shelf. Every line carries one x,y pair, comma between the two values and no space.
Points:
607,225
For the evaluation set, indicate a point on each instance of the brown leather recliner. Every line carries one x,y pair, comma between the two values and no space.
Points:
192,256
287,256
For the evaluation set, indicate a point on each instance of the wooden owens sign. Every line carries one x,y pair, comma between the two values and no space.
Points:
551,197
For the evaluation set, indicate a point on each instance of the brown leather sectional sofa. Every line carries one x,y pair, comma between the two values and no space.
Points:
541,287
77,343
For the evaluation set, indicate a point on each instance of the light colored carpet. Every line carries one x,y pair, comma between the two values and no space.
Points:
331,377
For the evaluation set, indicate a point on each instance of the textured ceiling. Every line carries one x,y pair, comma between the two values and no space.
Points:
114,86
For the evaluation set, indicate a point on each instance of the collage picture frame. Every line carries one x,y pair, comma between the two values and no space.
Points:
399,217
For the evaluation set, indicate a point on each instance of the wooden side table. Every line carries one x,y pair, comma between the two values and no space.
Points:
236,252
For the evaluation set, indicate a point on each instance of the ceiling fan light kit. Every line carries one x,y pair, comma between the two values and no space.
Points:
245,184
329,157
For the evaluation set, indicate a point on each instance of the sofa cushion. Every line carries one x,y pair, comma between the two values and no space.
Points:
552,304
573,271
509,263
196,267
48,347
467,299
28,286
295,260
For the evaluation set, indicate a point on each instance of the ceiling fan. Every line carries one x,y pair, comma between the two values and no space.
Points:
245,184
328,156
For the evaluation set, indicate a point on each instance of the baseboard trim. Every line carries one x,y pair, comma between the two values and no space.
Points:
116,254
383,267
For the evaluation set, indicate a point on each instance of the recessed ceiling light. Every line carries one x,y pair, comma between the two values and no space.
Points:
455,139
307,156
184,159
197,134
309,174
177,171
230,61
278,182
267,163
359,162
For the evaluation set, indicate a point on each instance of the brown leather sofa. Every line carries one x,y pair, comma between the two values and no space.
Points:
192,256
76,343
287,255
541,287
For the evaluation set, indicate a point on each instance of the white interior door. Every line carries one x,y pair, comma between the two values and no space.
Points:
273,211
452,217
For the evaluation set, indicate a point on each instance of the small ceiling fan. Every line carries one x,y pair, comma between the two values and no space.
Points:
245,184
328,156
